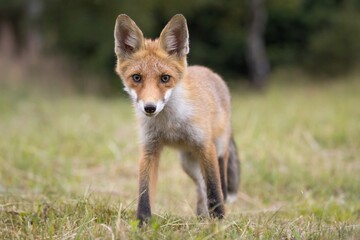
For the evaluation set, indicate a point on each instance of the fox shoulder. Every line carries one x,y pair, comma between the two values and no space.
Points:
204,77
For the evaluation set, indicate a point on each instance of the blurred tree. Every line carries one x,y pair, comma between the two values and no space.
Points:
34,10
12,18
256,54
19,22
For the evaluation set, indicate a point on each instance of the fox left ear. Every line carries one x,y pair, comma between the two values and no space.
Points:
174,38
128,36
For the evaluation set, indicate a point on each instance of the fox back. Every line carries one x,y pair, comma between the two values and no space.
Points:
184,107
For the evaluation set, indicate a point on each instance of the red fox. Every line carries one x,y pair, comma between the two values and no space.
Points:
187,108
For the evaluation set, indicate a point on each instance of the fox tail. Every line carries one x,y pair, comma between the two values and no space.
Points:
233,172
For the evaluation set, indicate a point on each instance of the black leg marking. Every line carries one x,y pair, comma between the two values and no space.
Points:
143,210
215,202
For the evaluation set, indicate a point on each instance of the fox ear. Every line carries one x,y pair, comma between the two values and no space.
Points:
174,38
128,36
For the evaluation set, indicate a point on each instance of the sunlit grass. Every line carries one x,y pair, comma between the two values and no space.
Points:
69,167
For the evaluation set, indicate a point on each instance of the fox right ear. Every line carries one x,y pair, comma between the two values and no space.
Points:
174,38
128,36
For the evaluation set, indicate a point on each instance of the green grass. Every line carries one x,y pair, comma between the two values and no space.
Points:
68,167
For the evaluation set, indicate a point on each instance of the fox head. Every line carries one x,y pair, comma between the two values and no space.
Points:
150,69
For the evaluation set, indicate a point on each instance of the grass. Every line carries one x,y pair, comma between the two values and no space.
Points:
69,167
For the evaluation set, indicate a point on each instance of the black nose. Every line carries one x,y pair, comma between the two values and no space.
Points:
150,108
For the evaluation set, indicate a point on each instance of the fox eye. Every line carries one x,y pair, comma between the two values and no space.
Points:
136,77
165,78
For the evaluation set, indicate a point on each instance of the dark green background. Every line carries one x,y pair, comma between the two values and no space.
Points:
321,36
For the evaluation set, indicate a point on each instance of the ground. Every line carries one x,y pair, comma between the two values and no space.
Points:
69,166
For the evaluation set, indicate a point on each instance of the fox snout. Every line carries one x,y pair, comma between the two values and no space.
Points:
150,108
148,105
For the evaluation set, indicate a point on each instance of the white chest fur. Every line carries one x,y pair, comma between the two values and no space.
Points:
173,125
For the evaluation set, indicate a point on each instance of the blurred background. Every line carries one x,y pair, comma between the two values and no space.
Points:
68,139
71,42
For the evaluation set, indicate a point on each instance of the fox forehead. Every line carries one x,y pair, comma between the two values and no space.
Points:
151,60
148,66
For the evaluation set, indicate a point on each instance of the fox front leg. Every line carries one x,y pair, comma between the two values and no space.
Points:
148,170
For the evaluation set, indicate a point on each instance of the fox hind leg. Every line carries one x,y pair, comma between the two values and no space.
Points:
210,168
192,167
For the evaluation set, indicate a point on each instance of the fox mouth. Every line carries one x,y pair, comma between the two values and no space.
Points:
151,114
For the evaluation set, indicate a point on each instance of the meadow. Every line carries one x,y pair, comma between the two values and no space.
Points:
68,166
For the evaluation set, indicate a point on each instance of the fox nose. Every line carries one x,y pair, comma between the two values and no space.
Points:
150,108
